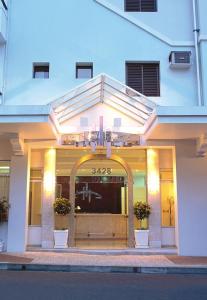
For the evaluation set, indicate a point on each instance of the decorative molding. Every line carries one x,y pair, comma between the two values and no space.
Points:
201,148
17,145
124,164
202,38
143,26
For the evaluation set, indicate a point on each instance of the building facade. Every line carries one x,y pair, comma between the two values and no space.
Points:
104,102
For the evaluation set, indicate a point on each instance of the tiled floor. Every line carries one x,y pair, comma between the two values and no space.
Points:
188,260
18,259
102,260
97,260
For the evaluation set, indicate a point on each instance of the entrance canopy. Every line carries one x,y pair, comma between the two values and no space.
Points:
122,108
100,110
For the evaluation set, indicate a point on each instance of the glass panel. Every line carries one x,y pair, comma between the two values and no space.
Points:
4,185
4,168
167,198
94,173
41,75
35,197
84,72
100,186
41,71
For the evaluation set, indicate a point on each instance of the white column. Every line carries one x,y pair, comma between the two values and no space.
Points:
49,183
153,185
18,199
191,200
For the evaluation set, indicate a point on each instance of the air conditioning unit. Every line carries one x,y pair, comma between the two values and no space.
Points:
180,59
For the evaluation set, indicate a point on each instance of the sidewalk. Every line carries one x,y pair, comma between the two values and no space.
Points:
76,262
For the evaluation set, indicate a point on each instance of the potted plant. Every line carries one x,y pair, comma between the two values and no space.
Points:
4,207
61,207
142,211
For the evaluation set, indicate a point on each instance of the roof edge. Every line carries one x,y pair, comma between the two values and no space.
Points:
25,110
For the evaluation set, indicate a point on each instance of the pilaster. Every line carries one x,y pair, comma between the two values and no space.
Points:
49,180
153,184
18,200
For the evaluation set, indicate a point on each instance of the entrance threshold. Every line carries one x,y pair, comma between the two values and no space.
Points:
126,251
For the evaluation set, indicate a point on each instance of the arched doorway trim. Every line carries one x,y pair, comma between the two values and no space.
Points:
74,170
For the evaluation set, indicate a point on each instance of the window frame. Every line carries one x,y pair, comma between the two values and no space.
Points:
140,11
40,65
84,66
161,170
4,193
33,179
4,4
142,63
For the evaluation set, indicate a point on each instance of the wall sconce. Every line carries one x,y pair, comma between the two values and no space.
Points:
49,171
153,172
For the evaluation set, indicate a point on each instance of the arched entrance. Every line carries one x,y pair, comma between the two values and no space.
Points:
125,166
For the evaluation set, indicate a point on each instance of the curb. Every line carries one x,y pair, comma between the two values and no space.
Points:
102,269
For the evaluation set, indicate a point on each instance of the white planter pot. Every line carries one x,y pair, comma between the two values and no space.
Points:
141,238
61,239
1,246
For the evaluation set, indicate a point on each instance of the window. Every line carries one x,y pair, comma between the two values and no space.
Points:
83,122
84,70
4,4
167,197
140,5
35,197
4,187
117,122
41,70
144,78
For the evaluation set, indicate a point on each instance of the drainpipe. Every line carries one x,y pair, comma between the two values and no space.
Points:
197,51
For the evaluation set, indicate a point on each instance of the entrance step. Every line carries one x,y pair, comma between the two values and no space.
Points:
127,251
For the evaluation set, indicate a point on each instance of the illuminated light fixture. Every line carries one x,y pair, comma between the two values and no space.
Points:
104,179
153,172
48,182
78,208
49,172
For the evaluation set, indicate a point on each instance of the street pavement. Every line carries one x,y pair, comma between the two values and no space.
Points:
97,286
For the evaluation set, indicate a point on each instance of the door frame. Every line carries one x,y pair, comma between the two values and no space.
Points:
124,164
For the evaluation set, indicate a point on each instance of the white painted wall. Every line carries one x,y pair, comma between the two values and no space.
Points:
167,9
203,47
202,16
3,40
203,44
192,201
85,31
